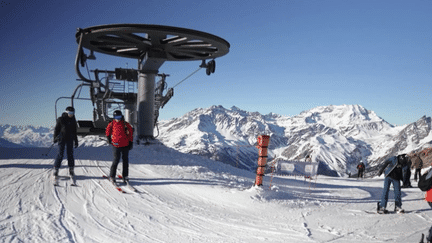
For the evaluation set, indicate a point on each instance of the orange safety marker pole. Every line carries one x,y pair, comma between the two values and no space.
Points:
263,141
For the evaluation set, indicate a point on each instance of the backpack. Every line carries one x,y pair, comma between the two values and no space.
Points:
425,183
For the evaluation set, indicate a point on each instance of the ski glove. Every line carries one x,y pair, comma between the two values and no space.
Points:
130,146
109,140
76,144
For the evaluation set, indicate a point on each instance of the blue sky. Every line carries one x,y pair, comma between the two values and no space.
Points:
285,56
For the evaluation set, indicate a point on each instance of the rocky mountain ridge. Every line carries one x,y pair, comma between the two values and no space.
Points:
336,136
25,136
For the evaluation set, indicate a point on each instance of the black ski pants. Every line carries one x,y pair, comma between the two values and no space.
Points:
124,153
69,151
360,174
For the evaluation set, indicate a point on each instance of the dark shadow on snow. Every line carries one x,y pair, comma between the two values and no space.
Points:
26,166
291,189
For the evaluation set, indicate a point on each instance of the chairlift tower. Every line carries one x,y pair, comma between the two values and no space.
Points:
151,46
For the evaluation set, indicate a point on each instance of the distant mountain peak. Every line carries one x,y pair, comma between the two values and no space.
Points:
336,135
28,136
340,116
235,108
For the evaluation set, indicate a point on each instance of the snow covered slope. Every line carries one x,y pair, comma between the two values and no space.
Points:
188,198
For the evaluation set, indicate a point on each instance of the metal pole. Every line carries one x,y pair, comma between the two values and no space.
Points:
129,113
145,105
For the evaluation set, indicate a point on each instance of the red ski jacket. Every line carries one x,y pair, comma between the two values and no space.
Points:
121,133
428,196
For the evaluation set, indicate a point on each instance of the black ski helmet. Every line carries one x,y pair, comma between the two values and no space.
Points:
117,113
70,108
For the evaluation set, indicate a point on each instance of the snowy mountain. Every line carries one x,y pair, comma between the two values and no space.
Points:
26,136
412,137
221,134
336,136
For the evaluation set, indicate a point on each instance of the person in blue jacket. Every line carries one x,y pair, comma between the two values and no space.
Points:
392,169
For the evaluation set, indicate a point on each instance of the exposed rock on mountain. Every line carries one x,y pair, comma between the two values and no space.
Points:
336,136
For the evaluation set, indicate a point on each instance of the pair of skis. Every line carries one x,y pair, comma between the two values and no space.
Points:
385,211
118,186
72,179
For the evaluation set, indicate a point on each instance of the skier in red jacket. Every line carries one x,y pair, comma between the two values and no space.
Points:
120,134
428,195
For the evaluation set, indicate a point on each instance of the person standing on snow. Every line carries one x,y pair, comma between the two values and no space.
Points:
308,159
392,169
65,133
119,134
417,164
360,167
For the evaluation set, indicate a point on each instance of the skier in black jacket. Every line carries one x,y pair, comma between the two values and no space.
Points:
392,169
361,168
65,133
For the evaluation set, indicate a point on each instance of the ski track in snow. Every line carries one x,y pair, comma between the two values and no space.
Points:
187,198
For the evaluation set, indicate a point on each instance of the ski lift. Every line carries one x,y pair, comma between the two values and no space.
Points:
134,90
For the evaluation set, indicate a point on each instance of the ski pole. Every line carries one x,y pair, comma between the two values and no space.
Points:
49,149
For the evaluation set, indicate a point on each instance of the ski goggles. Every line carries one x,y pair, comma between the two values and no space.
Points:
70,112
118,117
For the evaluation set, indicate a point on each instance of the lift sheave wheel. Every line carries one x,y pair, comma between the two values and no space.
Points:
165,42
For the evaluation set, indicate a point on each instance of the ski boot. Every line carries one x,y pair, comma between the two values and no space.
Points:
72,176
399,210
381,210
55,177
71,172
55,172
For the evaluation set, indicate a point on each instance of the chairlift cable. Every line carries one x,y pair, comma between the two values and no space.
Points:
187,77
